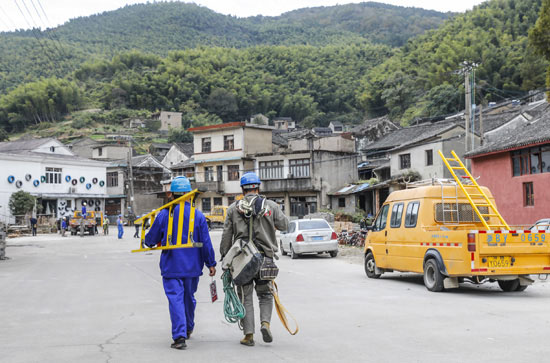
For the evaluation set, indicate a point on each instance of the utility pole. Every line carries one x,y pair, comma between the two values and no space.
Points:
131,176
469,82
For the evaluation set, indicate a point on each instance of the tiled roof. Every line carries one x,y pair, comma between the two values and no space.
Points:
186,148
411,135
184,164
22,146
535,132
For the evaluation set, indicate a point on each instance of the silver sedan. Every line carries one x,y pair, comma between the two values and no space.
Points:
309,236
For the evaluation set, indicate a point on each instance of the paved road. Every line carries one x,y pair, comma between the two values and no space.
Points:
88,299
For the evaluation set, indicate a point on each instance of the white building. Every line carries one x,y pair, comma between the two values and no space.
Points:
48,170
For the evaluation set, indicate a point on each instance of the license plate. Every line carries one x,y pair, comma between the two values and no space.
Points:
317,238
500,261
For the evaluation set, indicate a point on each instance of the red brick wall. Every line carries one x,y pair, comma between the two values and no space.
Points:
495,172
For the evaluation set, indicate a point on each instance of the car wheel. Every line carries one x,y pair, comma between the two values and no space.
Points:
283,252
370,266
510,285
293,254
433,279
333,254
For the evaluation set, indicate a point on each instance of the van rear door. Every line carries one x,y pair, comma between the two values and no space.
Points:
516,251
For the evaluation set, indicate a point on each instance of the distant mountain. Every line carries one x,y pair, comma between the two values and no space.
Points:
162,27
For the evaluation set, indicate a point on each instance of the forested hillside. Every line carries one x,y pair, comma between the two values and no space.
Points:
421,79
310,84
349,79
167,26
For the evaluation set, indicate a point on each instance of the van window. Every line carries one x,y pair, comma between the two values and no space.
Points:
382,218
412,214
396,215
447,213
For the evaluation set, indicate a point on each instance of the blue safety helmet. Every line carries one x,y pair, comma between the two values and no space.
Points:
180,184
250,181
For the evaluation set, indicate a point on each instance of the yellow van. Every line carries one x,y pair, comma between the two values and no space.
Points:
433,230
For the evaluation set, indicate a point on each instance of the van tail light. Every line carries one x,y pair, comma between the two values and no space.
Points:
299,238
333,235
471,242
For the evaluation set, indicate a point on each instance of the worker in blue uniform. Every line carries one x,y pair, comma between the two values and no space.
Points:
120,226
181,268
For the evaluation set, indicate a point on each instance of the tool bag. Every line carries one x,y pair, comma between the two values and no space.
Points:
243,260
268,270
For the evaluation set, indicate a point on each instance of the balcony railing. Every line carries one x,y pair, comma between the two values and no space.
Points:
287,185
213,186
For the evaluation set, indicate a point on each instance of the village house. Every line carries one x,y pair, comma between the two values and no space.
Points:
336,127
284,123
222,153
178,153
515,166
48,170
169,120
303,168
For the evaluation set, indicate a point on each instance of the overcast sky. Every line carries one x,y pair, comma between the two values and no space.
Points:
59,11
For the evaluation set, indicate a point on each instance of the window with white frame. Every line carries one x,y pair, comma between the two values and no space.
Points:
228,142
299,168
53,175
271,169
232,172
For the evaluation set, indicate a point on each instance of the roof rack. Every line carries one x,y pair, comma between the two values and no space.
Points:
432,181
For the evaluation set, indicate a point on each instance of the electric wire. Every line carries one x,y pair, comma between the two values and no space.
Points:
37,26
52,31
45,31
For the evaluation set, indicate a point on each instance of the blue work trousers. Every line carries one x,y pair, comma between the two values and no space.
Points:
181,300
120,231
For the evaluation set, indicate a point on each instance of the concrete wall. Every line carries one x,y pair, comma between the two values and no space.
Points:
170,120
173,156
331,170
216,139
350,203
334,143
257,141
495,172
111,152
118,190
418,161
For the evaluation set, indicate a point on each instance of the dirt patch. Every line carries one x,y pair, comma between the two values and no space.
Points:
350,253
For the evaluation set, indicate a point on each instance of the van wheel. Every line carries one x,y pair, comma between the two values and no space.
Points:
370,266
510,285
293,254
333,253
433,279
283,252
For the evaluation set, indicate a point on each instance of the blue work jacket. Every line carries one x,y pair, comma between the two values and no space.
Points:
182,262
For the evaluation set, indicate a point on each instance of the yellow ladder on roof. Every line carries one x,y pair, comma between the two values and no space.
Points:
149,218
476,196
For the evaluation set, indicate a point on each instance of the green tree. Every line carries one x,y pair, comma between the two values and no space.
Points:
222,103
539,36
21,202
179,136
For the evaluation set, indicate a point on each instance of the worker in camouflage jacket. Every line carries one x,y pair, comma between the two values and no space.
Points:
267,217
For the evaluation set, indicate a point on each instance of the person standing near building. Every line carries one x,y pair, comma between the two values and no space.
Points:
63,227
120,226
34,223
266,216
138,226
105,225
181,268
83,211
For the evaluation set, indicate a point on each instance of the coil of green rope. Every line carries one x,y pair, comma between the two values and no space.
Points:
233,309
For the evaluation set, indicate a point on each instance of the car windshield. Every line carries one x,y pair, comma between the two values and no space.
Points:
313,225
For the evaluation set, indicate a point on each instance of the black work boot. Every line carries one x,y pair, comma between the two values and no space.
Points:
266,332
179,343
